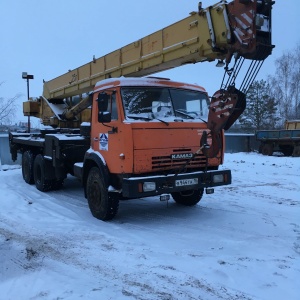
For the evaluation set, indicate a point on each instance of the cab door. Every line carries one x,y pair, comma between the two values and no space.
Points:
105,128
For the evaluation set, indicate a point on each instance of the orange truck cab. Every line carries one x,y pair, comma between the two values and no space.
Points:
145,134
145,137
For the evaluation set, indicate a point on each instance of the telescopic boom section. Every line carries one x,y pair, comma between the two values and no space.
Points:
241,27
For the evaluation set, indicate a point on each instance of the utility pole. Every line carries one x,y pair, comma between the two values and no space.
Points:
26,76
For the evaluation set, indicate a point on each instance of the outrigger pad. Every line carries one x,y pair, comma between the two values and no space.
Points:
225,108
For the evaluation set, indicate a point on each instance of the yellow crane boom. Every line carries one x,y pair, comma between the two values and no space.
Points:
212,33
241,27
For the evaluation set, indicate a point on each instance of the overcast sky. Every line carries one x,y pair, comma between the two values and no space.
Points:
47,37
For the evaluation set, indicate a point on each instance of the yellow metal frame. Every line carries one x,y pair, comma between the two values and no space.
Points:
191,40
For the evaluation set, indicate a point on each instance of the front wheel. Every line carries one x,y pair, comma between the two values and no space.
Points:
188,198
103,205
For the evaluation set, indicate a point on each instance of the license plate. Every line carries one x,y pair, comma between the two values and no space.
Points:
184,182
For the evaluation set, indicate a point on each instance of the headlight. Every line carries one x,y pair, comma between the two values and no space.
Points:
149,186
218,178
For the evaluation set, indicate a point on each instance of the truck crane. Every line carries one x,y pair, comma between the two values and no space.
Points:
126,134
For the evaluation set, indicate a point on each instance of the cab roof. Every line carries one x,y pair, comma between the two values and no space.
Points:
145,81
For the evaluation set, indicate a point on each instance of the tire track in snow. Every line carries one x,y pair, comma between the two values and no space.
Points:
31,252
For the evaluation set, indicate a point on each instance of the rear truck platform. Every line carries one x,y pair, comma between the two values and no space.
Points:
286,140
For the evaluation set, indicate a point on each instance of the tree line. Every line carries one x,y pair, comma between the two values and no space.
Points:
272,101
7,108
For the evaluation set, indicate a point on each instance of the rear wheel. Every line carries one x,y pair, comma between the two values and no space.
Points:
267,149
287,150
296,151
188,198
39,173
103,205
27,167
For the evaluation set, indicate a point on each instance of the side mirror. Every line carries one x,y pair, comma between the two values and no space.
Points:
103,102
104,117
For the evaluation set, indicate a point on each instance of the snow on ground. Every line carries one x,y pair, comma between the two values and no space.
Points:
242,242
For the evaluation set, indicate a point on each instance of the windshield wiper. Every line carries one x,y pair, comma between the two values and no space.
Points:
189,116
165,122
184,114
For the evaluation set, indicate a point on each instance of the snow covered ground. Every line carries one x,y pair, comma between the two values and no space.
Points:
242,242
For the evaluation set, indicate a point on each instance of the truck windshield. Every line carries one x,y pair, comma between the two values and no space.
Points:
158,103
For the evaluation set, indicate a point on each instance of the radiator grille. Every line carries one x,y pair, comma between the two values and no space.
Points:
163,162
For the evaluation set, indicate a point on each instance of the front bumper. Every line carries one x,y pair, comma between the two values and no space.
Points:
137,187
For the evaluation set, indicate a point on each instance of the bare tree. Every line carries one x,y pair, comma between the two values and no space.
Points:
7,108
296,81
285,84
261,110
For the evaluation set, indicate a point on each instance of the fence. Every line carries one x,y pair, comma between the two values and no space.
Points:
240,142
5,158
234,143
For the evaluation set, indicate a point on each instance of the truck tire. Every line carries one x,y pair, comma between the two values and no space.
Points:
286,150
296,151
188,198
39,172
267,149
27,167
103,205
